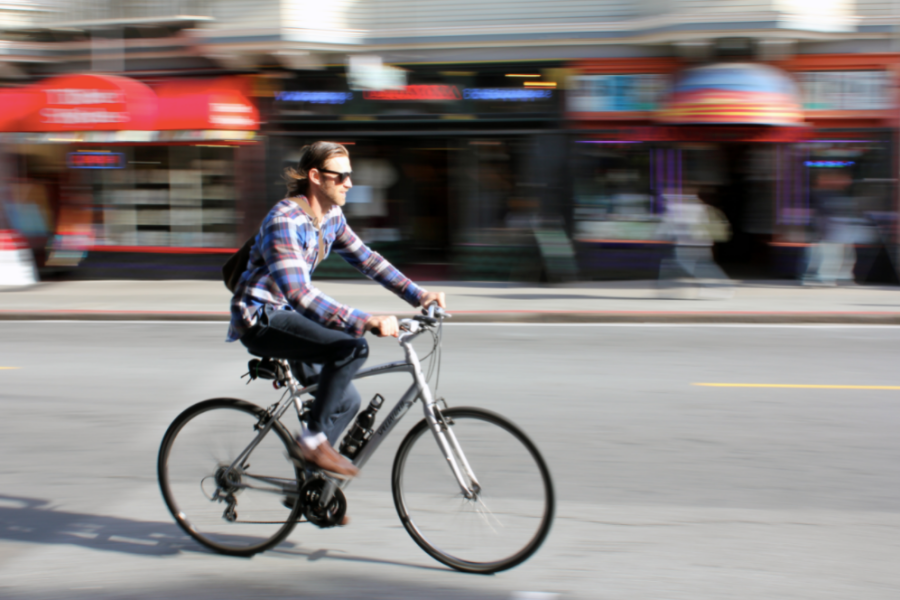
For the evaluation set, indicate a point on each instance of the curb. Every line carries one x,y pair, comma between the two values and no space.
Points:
785,317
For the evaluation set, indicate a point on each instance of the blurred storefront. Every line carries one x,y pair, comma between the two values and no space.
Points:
620,169
452,168
745,137
850,104
124,169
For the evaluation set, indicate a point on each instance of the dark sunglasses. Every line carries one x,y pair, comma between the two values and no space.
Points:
340,177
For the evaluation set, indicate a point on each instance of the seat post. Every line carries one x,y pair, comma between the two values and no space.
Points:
292,382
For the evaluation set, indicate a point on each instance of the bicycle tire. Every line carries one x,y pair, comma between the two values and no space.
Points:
186,503
416,467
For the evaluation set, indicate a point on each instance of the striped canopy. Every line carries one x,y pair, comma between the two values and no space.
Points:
733,94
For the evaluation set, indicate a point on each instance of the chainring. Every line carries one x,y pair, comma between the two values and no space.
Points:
315,512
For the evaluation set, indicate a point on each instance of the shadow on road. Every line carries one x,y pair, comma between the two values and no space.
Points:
314,555
34,521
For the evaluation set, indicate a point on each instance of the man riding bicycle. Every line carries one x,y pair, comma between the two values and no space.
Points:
276,311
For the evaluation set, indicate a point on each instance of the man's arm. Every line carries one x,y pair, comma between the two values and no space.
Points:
373,265
282,251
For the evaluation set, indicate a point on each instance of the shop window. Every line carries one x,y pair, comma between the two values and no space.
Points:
181,196
618,189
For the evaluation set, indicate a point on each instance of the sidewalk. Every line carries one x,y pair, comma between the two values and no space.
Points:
600,302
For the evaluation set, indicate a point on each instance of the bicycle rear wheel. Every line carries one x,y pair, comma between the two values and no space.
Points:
509,518
238,511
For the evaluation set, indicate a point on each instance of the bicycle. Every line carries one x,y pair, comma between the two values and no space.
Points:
228,478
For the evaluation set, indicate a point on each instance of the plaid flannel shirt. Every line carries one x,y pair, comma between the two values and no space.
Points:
283,258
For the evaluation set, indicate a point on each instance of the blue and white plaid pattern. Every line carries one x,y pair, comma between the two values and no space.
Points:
283,258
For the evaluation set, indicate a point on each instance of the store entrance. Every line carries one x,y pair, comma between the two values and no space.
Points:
740,180
425,187
443,207
400,202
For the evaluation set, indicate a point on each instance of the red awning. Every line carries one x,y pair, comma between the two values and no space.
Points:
88,103
80,103
14,103
221,103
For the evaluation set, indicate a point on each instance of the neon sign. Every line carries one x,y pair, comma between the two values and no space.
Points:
96,160
315,97
829,164
507,94
417,92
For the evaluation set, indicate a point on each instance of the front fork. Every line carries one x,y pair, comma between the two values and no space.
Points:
449,445
443,433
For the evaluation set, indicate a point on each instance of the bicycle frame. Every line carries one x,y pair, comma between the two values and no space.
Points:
443,435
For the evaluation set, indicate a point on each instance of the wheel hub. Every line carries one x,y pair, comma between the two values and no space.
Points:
227,479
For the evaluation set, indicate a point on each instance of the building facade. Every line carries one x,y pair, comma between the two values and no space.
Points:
503,140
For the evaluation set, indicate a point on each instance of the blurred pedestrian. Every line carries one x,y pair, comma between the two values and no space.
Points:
694,226
831,256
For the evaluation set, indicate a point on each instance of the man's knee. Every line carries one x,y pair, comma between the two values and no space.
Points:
347,351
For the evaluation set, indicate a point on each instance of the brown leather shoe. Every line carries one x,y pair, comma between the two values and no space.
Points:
326,458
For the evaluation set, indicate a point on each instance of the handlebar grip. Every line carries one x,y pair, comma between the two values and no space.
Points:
433,311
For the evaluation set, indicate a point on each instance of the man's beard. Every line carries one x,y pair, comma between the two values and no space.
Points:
337,199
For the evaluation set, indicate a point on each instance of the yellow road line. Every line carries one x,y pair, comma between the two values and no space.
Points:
9,368
801,386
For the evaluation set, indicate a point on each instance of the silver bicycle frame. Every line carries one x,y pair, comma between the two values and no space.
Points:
443,434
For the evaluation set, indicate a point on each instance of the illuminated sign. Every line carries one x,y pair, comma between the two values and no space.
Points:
417,92
96,160
829,164
507,94
315,97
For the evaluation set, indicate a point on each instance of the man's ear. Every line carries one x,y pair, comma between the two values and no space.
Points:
314,176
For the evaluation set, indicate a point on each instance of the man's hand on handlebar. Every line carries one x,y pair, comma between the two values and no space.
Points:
434,297
383,325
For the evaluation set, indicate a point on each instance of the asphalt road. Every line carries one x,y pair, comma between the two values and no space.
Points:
666,489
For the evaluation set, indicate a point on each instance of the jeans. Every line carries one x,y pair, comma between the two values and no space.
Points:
695,261
315,353
830,262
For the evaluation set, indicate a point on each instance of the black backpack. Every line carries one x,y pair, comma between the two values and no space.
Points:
236,265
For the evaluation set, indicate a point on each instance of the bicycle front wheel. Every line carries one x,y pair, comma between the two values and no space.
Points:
506,521
241,510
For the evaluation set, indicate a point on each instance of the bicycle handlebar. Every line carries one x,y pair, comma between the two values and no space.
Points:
430,316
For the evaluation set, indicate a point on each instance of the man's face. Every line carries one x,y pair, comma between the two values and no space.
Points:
336,192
